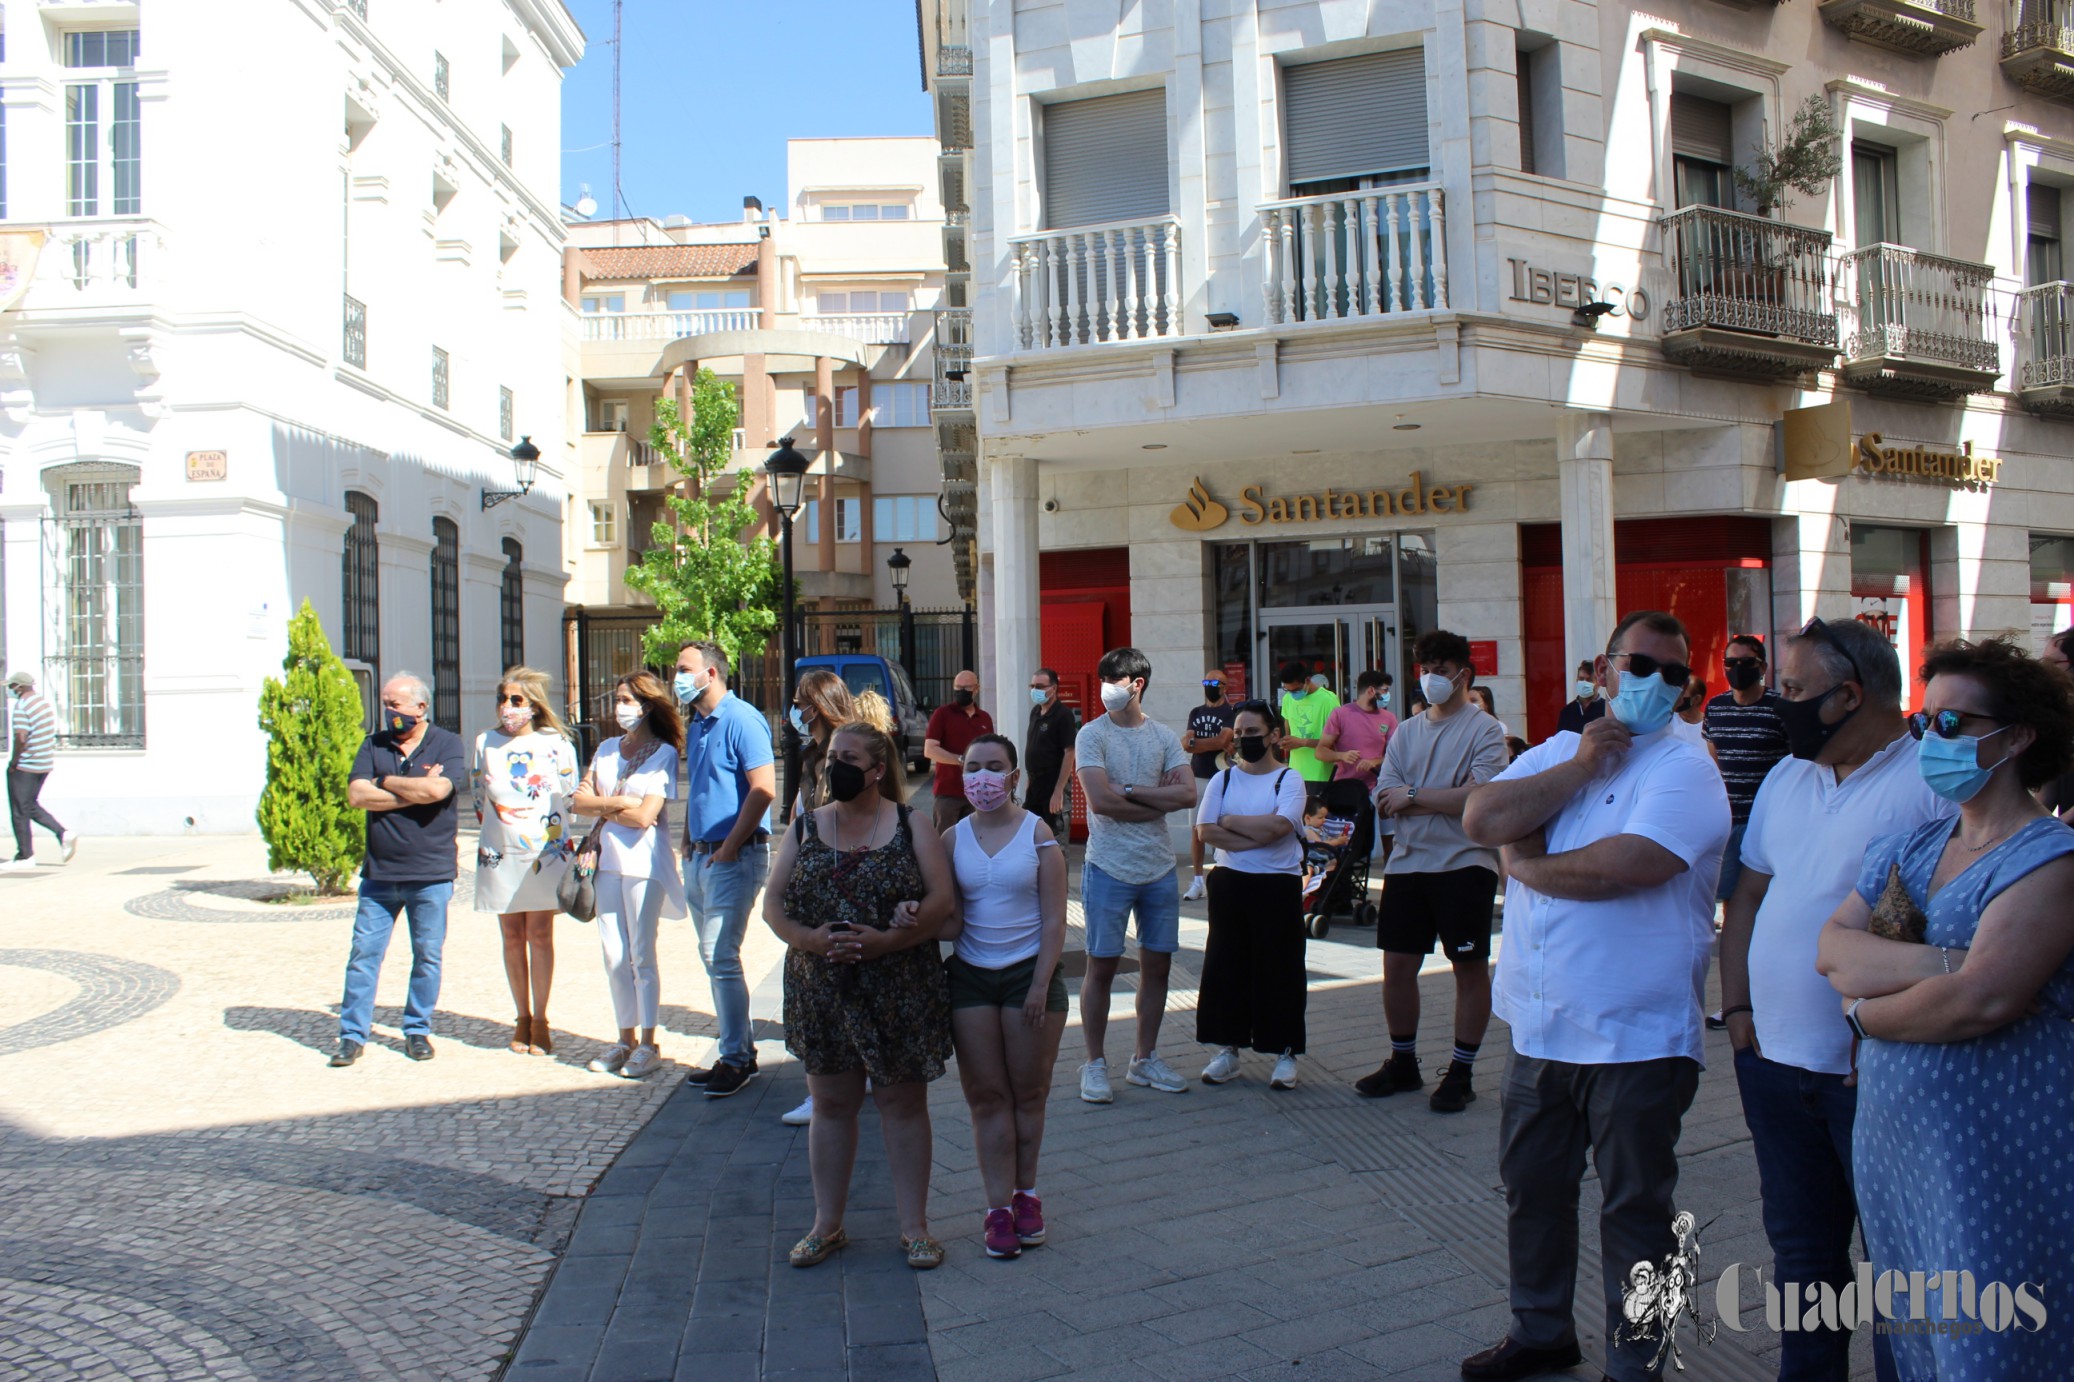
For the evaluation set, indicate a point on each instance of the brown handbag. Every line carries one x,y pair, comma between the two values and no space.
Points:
1896,915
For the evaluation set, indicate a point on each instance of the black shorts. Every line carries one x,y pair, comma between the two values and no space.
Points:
1453,907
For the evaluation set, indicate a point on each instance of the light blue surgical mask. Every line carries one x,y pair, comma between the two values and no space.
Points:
1037,695
1298,694
686,685
798,718
1644,704
1951,767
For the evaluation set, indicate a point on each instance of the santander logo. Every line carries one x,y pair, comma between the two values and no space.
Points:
1199,513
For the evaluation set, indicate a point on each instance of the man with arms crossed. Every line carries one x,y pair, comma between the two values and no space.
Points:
1133,773
1612,840
1851,778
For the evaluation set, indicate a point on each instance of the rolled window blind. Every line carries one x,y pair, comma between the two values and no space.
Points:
1354,117
1105,159
1700,129
2042,210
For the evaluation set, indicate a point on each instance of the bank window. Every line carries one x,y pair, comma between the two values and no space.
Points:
446,624
1701,151
708,300
2042,263
103,126
511,606
94,587
361,582
904,518
604,525
596,303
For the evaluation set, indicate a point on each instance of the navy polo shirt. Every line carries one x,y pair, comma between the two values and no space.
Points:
413,844
720,748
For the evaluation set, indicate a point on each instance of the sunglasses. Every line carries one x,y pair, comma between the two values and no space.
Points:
1213,685
1815,628
1945,723
513,700
1642,664
1734,663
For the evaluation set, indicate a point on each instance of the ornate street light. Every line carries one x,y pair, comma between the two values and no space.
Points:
526,461
898,565
786,471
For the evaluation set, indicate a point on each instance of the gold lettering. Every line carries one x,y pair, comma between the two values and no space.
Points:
1325,502
1307,508
1250,497
1278,510
1869,457
1410,500
1462,498
1440,498
1351,506
1379,504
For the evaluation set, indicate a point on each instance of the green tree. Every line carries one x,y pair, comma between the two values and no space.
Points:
1805,160
313,720
706,581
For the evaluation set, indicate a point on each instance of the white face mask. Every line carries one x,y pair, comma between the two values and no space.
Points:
1582,690
629,715
1435,687
1115,696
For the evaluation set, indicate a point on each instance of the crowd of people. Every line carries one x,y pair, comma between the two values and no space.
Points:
1899,1008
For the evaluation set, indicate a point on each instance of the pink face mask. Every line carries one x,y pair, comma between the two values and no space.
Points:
515,718
986,790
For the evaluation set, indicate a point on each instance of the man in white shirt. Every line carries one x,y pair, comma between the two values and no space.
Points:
1612,841
1851,777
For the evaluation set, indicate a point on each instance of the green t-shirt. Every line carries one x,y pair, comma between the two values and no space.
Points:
1306,720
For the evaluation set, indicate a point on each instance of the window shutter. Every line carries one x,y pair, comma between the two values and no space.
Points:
2042,210
1105,159
1524,77
1352,117
1700,129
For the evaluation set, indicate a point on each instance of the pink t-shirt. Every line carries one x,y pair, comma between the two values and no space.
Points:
1353,730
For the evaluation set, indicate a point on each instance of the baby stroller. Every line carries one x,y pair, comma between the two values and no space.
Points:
1345,889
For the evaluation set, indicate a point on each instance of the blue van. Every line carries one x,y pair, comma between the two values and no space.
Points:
867,672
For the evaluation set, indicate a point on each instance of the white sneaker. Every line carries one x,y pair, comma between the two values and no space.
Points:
801,1116
1285,1072
610,1062
68,845
18,866
646,1060
1094,1083
1223,1066
1195,890
1156,1074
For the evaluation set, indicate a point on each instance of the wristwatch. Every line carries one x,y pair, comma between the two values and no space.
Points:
1851,1016
1128,788
1411,794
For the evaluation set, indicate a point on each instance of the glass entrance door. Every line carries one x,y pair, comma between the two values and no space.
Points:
1341,642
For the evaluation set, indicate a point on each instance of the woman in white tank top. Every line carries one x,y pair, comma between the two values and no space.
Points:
1008,1001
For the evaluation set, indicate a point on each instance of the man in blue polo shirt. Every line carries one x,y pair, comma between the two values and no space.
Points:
730,782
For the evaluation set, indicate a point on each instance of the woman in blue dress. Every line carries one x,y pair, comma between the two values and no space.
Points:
1962,1151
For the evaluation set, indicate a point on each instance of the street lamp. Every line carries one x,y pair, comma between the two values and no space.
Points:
786,471
898,564
526,459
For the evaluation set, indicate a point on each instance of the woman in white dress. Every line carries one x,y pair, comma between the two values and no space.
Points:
630,781
525,774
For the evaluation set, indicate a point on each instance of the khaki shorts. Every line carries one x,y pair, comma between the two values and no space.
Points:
973,987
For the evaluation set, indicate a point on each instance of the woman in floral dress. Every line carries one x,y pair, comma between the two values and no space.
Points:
525,772
864,992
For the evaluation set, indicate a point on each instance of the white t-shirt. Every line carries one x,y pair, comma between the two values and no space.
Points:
623,849
1624,978
1690,731
1810,833
1240,793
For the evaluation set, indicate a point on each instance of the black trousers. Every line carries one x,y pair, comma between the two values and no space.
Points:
1627,1116
1253,979
22,806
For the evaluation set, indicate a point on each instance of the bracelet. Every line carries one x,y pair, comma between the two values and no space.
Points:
1727,1013
1946,955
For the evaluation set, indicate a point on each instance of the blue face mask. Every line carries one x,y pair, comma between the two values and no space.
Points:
1644,704
1951,767
1037,695
1298,694
686,685
798,718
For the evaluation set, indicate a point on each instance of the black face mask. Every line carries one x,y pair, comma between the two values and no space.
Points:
1213,694
1745,677
845,780
1806,734
962,696
1252,747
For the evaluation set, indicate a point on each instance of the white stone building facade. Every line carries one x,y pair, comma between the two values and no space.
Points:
287,319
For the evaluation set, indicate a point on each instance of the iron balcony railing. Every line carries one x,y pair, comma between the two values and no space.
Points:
1116,282
2045,336
953,355
2038,24
953,60
668,326
1355,254
1908,304
1746,273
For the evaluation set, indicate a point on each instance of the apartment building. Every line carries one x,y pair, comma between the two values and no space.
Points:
823,313
1299,328
271,331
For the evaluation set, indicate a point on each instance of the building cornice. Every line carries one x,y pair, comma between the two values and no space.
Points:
1874,94
557,29
1718,53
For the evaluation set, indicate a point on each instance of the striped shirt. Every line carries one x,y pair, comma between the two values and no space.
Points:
1747,740
34,718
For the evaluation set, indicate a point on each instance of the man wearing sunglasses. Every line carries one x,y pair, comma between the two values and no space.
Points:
1612,839
1851,778
1743,728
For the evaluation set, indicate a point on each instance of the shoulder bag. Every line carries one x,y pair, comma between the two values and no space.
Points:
577,891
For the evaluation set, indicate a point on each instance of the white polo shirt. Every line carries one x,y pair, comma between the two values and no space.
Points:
1810,832
1623,979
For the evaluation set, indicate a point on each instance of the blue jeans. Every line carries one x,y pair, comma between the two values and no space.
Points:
1107,904
1731,863
721,896
424,904
1800,1129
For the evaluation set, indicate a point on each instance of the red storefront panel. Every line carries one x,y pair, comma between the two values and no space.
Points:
1085,611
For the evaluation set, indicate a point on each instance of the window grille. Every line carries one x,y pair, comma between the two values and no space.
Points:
94,606
360,582
511,605
446,624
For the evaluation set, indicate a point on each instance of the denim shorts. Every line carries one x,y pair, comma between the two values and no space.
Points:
1106,906
1009,987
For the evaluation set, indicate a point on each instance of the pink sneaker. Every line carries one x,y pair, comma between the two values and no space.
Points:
1029,1219
1001,1239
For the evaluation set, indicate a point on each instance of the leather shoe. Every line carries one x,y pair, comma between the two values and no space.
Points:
1511,1360
345,1053
418,1047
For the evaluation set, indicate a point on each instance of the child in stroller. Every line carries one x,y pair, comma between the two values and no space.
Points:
1324,838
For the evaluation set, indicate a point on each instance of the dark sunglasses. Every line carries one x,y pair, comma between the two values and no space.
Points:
1815,628
1212,685
1944,724
513,700
1732,663
1642,664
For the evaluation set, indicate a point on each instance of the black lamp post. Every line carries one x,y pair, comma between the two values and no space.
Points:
898,564
526,457
786,469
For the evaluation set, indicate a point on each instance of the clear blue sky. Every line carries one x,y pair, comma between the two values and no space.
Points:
710,90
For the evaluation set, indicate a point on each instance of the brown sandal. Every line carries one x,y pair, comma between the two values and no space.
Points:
541,1041
813,1250
923,1254
521,1035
